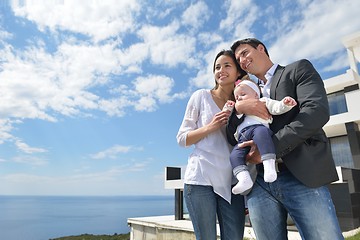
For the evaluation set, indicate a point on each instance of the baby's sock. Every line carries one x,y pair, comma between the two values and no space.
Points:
269,170
244,184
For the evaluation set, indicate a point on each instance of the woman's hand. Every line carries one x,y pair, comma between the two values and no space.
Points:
254,155
219,120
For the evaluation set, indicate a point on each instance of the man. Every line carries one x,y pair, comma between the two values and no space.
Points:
305,164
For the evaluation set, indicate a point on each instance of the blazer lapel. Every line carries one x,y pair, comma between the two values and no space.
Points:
275,81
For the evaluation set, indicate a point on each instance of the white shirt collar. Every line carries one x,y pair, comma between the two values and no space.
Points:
270,73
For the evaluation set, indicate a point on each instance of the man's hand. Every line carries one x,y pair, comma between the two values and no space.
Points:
252,107
254,154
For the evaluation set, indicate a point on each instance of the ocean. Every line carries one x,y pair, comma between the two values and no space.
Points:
46,217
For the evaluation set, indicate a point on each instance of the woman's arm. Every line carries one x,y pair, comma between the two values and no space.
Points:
191,131
218,121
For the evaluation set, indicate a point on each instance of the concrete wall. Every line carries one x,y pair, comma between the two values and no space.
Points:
139,232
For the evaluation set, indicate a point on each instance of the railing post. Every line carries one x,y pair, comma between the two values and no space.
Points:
173,180
179,209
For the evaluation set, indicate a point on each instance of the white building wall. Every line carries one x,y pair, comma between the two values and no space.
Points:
336,125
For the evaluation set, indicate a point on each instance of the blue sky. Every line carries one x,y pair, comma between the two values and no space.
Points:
92,93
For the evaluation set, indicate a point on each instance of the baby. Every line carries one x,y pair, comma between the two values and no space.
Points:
256,129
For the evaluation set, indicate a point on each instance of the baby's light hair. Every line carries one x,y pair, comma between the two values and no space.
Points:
250,84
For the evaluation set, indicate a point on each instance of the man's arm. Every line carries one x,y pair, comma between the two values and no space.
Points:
313,109
252,107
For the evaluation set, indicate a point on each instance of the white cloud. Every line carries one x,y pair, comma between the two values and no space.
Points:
4,35
209,39
130,59
204,79
115,107
112,152
21,81
157,87
31,160
39,84
145,95
166,46
24,178
27,149
319,32
35,82
241,15
146,103
98,19
196,15
84,65
6,126
340,60
113,181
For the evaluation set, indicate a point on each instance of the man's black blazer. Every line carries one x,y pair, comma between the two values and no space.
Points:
298,136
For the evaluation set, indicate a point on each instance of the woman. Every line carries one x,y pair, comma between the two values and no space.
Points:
208,177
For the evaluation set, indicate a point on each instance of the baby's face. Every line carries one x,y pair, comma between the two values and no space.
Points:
243,92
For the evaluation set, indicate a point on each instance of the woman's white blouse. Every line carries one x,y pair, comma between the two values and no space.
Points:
209,163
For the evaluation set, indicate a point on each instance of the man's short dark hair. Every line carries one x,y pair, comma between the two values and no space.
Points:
250,41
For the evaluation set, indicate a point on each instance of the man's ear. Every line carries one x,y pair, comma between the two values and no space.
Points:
260,48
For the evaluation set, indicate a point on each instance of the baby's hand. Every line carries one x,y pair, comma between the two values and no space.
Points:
289,101
229,106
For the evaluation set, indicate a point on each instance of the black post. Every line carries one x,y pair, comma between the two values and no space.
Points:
174,173
179,209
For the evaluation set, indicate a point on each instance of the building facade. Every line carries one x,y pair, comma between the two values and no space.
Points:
344,136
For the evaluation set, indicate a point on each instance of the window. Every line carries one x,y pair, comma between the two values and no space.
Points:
337,103
340,149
